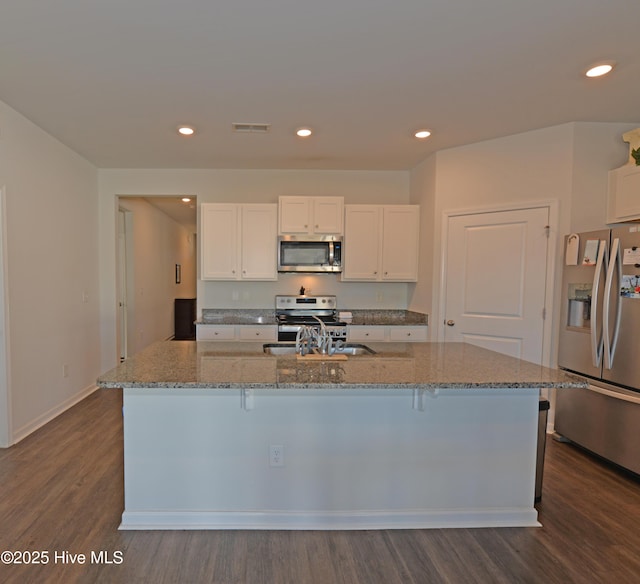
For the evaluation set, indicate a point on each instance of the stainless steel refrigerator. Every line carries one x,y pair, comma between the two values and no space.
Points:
600,340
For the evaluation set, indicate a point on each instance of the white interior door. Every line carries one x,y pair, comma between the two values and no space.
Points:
496,266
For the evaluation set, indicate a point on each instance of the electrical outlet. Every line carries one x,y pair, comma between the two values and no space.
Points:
65,370
276,455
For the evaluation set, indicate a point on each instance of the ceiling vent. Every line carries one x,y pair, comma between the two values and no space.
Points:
250,128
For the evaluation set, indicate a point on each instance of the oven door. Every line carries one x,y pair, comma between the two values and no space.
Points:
288,332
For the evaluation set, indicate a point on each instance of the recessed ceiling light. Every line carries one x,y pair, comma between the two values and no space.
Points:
599,69
185,200
304,132
186,130
422,134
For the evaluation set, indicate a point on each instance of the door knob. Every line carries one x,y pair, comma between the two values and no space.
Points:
450,322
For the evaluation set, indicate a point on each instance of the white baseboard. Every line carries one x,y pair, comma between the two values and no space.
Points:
274,520
54,412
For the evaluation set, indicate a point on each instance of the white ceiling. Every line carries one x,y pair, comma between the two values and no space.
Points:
112,79
178,210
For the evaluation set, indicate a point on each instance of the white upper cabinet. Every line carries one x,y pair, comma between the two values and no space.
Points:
238,241
259,242
361,253
381,243
400,240
311,215
623,201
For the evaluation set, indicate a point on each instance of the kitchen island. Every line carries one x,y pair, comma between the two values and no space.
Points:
225,436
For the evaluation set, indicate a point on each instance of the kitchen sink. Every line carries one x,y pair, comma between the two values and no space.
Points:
290,349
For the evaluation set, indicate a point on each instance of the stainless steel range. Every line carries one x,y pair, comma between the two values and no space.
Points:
294,312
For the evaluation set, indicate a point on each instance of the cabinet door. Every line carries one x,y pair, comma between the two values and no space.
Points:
219,241
366,333
215,332
328,215
400,231
294,215
361,242
411,334
259,242
258,332
624,194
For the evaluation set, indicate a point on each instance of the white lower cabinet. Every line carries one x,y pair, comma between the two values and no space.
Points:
257,333
385,334
231,332
415,334
211,332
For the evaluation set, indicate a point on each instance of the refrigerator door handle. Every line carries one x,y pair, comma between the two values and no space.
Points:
597,341
614,272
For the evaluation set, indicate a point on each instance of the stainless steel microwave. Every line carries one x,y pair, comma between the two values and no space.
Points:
310,253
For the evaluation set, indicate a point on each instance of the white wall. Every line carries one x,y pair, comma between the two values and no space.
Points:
158,244
423,193
246,186
565,164
52,250
530,167
598,148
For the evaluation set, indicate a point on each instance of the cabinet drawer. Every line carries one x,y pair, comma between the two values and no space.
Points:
262,332
366,333
413,334
209,332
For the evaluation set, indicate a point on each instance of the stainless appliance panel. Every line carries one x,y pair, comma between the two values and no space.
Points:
310,253
603,419
625,368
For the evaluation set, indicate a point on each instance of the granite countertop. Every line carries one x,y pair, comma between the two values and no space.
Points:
388,317
232,316
205,364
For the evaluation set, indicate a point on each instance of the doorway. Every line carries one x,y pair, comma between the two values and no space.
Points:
156,264
496,283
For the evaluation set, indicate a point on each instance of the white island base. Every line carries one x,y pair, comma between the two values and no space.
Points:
351,458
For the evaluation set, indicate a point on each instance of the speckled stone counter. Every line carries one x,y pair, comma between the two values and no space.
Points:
388,317
267,316
237,316
202,364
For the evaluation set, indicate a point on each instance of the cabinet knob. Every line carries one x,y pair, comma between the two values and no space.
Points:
306,226
317,226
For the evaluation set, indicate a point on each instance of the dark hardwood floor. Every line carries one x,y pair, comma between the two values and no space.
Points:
61,491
